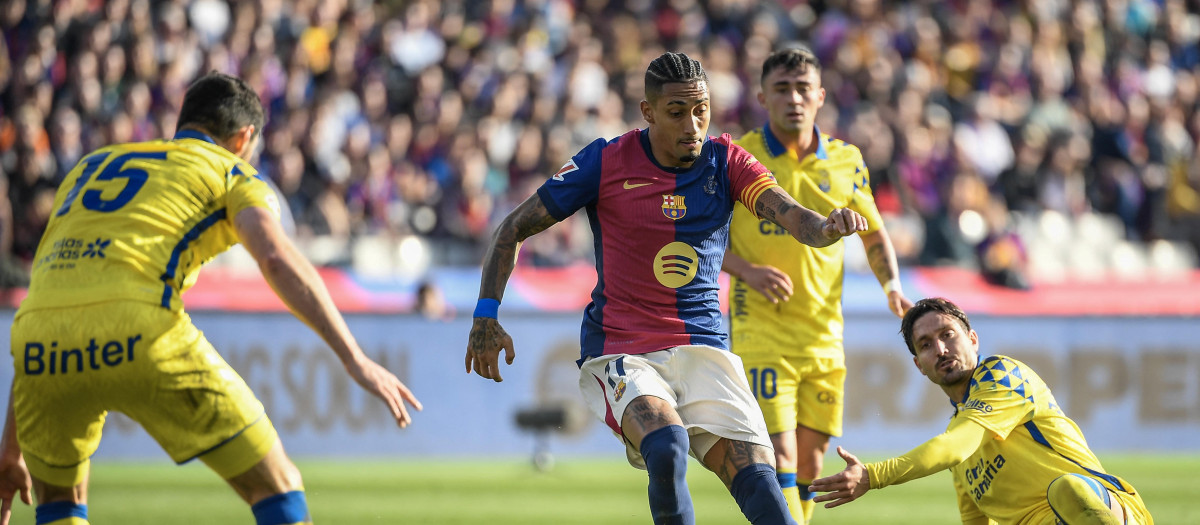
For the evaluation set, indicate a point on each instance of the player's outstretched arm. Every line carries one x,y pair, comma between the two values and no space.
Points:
882,258
487,336
845,486
805,225
773,283
939,453
14,476
297,283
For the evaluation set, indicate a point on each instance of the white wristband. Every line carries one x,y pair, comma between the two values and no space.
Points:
892,286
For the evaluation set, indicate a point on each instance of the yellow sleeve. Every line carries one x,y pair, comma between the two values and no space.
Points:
247,190
863,200
946,450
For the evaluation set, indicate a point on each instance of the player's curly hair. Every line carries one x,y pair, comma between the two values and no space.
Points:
796,57
925,306
221,104
670,68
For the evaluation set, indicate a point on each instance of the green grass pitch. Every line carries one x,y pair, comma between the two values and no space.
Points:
591,491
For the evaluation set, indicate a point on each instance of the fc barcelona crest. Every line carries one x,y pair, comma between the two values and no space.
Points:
673,207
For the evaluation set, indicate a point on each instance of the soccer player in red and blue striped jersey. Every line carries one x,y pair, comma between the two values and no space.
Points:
655,364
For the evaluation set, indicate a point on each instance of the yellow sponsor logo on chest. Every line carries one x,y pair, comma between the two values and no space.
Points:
675,265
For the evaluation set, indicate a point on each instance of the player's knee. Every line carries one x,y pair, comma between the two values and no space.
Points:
1080,499
665,451
275,474
1077,487
282,509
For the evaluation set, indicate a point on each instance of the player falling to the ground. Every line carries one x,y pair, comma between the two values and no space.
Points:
103,326
1015,457
655,364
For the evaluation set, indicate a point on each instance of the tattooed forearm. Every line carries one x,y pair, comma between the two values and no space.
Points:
878,262
805,225
528,219
773,206
881,256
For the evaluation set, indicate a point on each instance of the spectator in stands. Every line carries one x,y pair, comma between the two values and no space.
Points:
1013,92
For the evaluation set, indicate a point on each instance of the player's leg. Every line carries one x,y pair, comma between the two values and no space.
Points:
785,447
728,432
654,428
58,408
746,470
61,505
818,416
273,486
775,380
629,393
810,450
204,410
1078,500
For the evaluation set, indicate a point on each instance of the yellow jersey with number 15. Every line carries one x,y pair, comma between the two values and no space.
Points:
136,221
810,324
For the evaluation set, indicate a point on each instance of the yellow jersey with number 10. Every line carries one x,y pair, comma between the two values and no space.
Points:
136,221
810,324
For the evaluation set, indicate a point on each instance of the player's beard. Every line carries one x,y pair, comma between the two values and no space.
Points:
690,157
955,377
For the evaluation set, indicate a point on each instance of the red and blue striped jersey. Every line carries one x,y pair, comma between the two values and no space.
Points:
660,235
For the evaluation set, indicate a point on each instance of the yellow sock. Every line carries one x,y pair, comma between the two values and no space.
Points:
67,521
791,493
806,502
1080,499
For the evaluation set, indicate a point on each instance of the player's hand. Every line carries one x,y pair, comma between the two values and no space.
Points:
845,486
483,348
770,281
842,222
386,386
14,478
898,303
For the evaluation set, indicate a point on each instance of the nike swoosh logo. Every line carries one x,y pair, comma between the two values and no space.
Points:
629,186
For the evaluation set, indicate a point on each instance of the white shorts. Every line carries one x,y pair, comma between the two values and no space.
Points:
705,386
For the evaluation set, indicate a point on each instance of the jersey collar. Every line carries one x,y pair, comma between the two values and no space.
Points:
192,134
776,148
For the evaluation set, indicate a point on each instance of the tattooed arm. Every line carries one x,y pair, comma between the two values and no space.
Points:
805,225
487,336
882,257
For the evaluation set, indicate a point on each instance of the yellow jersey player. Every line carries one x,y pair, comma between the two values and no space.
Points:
791,346
1015,457
103,327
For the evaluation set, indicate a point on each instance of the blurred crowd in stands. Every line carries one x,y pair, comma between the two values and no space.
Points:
994,131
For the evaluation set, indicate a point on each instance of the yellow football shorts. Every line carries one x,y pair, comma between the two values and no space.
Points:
73,365
798,391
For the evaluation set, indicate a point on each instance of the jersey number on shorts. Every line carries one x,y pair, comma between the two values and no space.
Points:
93,199
762,382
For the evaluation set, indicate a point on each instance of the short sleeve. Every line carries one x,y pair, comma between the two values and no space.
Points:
999,397
863,200
747,176
247,189
576,184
